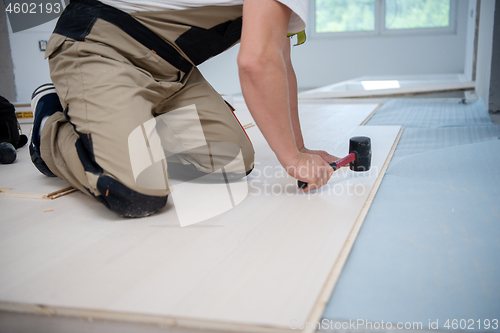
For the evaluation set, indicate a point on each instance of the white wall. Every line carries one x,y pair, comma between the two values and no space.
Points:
484,49
323,61
470,39
30,69
7,85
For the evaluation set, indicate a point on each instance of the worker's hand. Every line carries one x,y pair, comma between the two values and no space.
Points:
323,154
310,168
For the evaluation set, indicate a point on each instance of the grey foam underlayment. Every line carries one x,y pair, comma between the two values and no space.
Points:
411,113
437,125
429,248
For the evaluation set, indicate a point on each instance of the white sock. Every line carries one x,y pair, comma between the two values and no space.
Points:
44,119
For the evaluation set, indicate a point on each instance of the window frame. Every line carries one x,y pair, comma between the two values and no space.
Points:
380,29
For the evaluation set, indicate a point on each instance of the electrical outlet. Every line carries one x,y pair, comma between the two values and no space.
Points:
42,45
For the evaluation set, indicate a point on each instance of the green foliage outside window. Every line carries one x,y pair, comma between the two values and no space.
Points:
414,14
345,15
359,15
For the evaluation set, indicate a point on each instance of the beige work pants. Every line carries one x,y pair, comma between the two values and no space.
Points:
115,89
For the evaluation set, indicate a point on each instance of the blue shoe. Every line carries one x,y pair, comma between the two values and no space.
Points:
44,102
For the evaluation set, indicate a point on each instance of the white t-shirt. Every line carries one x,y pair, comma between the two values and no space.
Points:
297,21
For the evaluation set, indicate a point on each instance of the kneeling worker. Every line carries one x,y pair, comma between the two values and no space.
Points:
118,64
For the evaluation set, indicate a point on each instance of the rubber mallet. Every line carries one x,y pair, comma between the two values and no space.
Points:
360,156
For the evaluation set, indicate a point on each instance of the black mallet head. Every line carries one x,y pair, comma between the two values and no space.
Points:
361,146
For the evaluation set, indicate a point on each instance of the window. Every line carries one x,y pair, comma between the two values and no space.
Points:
345,15
382,16
417,14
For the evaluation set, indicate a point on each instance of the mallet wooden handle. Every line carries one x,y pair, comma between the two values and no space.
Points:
335,165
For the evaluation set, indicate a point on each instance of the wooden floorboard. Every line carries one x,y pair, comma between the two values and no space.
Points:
254,268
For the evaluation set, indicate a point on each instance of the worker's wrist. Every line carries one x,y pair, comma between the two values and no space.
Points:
289,158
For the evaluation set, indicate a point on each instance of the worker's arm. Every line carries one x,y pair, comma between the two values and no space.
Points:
294,109
264,81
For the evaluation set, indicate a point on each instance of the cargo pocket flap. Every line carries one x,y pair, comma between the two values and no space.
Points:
54,44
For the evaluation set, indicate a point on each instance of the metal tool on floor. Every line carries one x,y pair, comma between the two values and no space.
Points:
360,157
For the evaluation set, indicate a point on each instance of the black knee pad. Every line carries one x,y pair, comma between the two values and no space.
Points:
125,201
